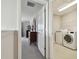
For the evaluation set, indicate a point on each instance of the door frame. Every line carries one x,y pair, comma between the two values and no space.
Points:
19,28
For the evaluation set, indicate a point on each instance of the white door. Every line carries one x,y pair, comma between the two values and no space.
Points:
41,32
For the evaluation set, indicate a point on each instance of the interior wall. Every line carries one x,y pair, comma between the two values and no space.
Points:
26,18
56,23
25,21
69,21
66,21
25,24
9,45
9,14
9,24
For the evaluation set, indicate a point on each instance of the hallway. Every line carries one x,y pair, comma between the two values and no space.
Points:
30,52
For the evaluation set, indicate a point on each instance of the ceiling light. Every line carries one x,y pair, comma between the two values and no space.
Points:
67,6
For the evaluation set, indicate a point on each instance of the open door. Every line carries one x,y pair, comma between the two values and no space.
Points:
41,29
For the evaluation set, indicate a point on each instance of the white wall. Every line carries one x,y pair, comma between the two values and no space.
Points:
25,24
69,21
56,22
9,24
26,18
9,14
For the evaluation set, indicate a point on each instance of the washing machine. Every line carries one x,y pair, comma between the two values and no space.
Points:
70,40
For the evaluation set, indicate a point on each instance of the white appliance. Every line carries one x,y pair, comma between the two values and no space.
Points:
59,37
70,40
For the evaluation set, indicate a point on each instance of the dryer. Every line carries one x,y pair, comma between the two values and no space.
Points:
59,37
70,40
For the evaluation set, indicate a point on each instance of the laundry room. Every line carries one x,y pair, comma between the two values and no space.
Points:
65,29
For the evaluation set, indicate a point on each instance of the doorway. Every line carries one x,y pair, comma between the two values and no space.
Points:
29,15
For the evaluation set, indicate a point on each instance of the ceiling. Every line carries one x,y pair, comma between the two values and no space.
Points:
59,3
30,11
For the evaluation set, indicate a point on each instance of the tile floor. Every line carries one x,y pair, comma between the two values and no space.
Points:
61,52
30,51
